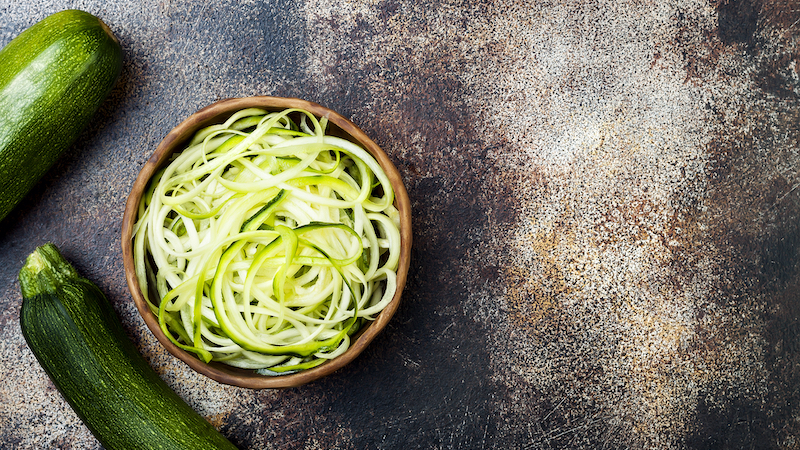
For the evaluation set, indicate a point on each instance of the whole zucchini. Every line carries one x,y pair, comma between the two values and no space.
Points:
76,336
53,78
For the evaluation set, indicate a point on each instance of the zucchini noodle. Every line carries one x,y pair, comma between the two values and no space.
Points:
267,243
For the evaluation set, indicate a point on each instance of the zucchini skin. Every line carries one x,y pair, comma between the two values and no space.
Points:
53,78
78,339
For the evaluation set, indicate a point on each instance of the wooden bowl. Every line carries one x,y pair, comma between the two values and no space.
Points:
174,141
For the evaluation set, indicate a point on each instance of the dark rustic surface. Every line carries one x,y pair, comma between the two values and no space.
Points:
605,209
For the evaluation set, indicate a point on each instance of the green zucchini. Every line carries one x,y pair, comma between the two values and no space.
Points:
53,78
78,339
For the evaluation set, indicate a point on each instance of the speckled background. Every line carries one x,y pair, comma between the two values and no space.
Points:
605,216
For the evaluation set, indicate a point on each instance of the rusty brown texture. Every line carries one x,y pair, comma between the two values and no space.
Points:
605,201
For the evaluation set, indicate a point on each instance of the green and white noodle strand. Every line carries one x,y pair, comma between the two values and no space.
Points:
267,243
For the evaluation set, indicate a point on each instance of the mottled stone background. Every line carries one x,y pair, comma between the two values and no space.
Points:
605,209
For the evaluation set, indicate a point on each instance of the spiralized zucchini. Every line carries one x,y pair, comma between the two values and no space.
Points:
268,242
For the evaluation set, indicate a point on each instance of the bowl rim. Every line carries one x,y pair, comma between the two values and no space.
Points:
171,142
